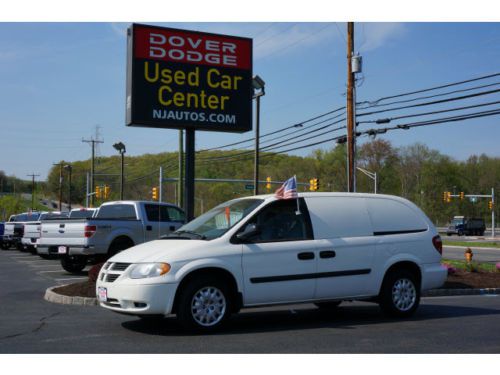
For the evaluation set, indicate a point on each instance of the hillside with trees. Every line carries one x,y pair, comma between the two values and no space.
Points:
414,172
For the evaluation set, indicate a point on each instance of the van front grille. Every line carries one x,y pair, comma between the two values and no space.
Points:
112,277
120,266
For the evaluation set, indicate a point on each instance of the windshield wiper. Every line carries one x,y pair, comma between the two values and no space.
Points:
179,233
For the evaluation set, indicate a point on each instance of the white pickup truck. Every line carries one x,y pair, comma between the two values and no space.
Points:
14,229
31,232
115,226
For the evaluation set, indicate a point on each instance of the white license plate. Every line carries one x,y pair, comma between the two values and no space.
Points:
102,293
62,249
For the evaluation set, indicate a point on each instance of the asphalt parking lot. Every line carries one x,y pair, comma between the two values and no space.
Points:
29,324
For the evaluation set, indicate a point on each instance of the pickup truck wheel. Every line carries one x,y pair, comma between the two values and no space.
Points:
400,294
328,305
204,305
73,264
460,232
118,245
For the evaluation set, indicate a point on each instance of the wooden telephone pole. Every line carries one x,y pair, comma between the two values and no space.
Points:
351,125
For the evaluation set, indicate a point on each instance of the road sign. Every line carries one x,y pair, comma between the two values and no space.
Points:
181,79
473,199
249,187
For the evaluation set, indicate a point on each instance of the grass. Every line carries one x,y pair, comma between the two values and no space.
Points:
462,265
471,244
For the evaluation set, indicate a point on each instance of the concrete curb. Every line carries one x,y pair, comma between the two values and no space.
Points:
459,292
51,296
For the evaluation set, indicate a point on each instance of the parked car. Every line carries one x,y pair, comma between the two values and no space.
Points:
114,227
31,233
323,248
14,229
1,233
461,225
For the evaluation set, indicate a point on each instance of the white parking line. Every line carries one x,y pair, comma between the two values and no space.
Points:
73,278
59,271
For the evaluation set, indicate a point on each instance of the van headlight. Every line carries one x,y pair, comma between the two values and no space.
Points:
144,270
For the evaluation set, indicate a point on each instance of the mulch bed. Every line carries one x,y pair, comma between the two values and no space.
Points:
465,280
459,280
81,289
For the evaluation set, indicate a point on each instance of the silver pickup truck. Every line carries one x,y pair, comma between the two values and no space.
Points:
115,226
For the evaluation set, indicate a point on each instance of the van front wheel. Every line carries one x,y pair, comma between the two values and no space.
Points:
400,294
204,305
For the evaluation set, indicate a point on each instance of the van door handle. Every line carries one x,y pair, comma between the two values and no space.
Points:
172,228
149,227
327,254
306,256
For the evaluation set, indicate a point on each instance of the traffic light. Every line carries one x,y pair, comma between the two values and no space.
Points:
448,197
490,205
313,184
462,195
154,193
268,182
445,196
107,189
98,192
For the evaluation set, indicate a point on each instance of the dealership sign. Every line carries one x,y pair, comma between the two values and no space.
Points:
188,80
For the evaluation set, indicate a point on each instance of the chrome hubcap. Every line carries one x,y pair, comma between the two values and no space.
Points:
208,306
404,294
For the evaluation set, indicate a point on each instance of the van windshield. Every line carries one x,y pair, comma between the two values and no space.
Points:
214,223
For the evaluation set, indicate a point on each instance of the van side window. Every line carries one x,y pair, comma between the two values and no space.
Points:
392,217
279,222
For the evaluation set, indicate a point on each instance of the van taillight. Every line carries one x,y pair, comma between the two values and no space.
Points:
89,231
438,244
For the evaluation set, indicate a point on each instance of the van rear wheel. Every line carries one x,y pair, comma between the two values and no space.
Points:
400,294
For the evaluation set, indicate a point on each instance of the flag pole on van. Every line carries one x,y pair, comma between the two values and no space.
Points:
289,191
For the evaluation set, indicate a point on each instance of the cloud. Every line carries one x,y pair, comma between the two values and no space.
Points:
119,28
373,35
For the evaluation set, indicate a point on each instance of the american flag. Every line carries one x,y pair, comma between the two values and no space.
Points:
288,190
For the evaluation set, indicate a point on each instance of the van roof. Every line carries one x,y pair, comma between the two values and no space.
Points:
333,194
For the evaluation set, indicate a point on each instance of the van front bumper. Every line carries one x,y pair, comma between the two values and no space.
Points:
143,299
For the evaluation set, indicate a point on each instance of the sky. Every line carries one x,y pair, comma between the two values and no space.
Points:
63,82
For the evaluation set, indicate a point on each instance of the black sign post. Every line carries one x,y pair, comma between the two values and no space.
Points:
180,79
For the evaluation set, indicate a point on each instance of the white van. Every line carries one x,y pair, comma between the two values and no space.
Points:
322,248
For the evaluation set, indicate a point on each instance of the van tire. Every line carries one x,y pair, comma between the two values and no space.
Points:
400,293
73,263
332,305
193,293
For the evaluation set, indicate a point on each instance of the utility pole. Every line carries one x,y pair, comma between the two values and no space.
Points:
60,164
180,193
33,175
351,125
93,142
493,212
70,170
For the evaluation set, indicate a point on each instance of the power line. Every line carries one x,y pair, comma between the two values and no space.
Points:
430,103
383,121
436,87
425,97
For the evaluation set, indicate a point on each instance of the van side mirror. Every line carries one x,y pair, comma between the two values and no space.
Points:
250,231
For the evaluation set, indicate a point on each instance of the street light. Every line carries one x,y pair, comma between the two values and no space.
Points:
120,147
69,168
372,175
258,85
